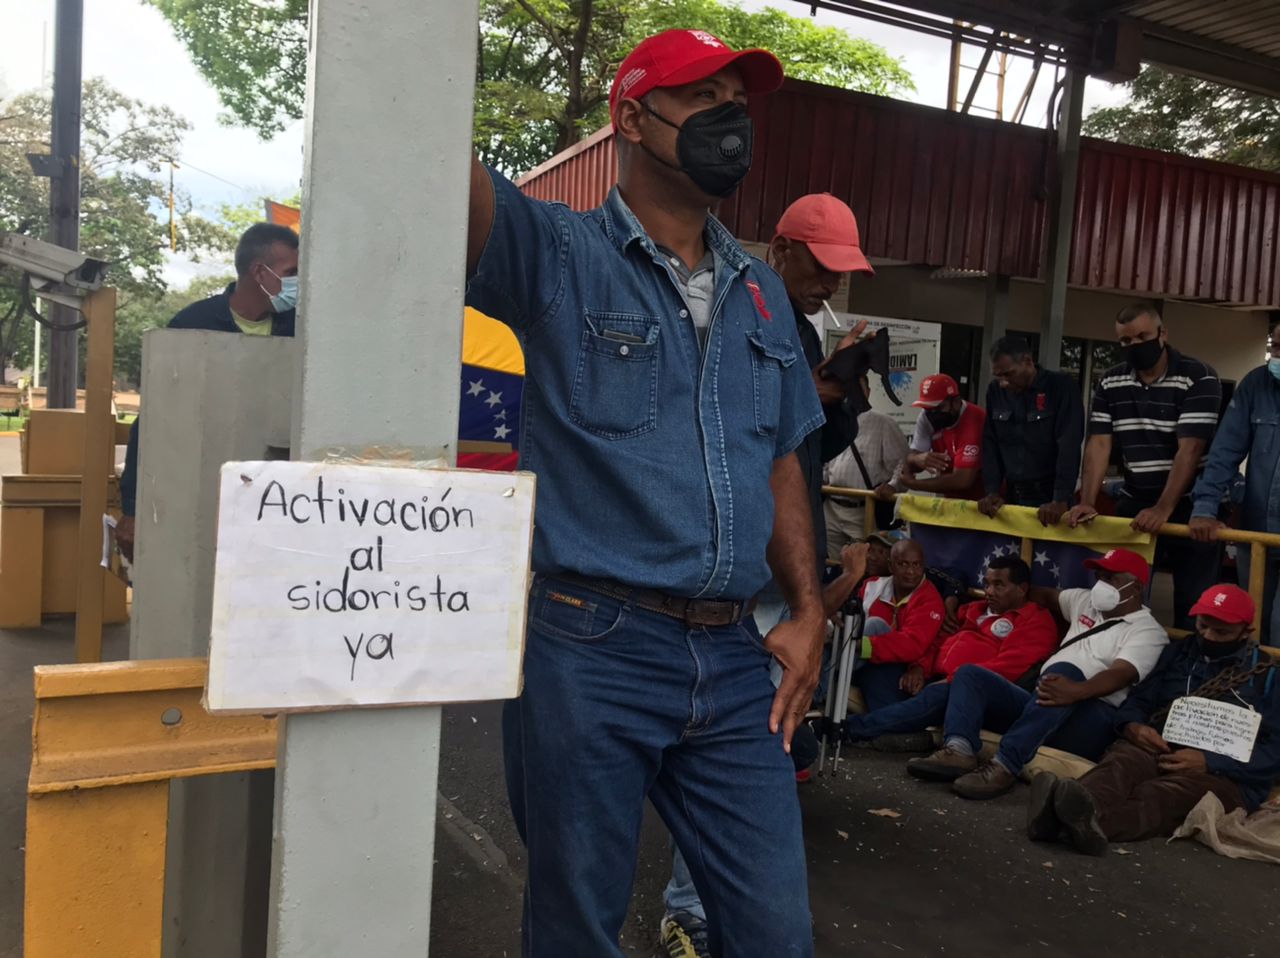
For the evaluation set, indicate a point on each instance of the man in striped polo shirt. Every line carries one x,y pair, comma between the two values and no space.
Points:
1160,408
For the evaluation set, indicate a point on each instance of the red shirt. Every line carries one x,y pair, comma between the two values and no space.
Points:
914,621
963,444
1009,644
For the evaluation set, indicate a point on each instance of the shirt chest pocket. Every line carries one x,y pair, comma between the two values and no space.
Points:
769,358
615,387
1266,436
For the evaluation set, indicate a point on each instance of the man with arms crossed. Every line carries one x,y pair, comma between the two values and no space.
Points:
665,392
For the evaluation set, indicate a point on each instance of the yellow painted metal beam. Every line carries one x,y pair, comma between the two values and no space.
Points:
123,723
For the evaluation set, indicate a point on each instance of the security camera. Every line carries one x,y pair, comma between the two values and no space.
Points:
63,270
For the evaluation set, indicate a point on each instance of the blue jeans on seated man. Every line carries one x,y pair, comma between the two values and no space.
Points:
878,682
681,894
980,699
914,713
620,703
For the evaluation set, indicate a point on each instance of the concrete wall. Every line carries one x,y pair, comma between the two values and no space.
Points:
1232,341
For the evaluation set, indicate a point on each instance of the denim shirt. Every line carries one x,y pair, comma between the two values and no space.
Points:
1250,427
653,454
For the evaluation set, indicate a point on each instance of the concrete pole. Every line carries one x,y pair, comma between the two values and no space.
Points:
64,191
995,323
1062,207
385,188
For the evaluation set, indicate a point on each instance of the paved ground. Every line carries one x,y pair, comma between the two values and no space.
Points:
945,877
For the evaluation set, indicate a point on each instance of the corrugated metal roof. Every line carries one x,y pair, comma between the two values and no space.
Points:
1252,25
942,189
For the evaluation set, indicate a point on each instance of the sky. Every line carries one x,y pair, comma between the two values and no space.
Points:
129,43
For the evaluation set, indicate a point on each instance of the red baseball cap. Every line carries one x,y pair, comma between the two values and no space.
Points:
1228,603
935,390
1122,560
828,227
676,57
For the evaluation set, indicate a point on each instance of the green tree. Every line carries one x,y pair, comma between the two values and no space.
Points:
146,312
1183,114
543,67
126,146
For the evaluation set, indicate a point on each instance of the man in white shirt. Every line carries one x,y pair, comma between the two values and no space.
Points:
1112,643
869,463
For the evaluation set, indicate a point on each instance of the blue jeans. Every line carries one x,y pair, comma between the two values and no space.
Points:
1270,588
878,683
981,699
913,714
619,704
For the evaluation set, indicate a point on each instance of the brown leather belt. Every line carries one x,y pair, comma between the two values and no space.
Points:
847,503
689,611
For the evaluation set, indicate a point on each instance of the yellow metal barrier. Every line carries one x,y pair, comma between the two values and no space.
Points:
1258,543
106,741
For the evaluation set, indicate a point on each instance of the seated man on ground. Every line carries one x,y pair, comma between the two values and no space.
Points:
1145,785
1112,643
1005,632
904,613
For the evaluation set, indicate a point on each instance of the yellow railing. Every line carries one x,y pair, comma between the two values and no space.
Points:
106,741
1258,543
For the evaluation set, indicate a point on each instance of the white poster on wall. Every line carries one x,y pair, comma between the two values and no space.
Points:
914,351
339,585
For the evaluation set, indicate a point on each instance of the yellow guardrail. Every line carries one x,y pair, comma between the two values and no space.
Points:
106,741
1258,543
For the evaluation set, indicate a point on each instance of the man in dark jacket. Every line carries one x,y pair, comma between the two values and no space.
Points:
261,302
1149,780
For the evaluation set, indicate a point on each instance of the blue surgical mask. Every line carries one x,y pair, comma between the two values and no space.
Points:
287,298
1273,365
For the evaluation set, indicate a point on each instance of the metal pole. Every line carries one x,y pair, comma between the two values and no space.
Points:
356,791
1062,206
99,441
995,323
64,190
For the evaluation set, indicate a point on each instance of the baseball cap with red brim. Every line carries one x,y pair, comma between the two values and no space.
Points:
677,57
828,227
1122,560
1226,603
935,390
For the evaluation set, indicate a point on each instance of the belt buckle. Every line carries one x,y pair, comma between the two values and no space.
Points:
713,613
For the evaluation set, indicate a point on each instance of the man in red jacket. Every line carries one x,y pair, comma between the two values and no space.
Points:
904,616
1005,633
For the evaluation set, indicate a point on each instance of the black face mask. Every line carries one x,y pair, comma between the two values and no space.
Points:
941,420
1143,356
1220,650
714,147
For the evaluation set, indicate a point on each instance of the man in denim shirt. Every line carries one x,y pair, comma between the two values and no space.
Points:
1250,428
661,424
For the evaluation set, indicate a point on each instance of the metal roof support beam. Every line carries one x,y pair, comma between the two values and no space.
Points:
1062,205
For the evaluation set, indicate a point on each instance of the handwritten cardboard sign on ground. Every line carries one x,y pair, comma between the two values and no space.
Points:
341,585
1212,726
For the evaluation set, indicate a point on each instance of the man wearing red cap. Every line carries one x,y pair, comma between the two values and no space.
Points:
1147,783
1112,642
664,398
947,442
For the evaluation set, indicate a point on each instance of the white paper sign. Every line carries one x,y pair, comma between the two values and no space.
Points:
1212,726
342,585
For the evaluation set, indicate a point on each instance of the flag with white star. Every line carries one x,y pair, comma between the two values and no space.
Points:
491,387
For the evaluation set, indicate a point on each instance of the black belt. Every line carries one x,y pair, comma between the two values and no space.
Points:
850,503
689,611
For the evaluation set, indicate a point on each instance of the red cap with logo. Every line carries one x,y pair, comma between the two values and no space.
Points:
935,390
828,227
677,57
1122,560
1227,603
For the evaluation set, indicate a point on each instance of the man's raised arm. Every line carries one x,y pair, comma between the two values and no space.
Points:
480,213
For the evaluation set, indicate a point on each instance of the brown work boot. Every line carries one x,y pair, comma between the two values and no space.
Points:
987,781
1042,820
1078,813
944,765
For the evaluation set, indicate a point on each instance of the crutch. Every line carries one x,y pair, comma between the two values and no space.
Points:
844,654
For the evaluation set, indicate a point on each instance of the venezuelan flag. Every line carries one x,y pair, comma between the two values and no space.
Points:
492,380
